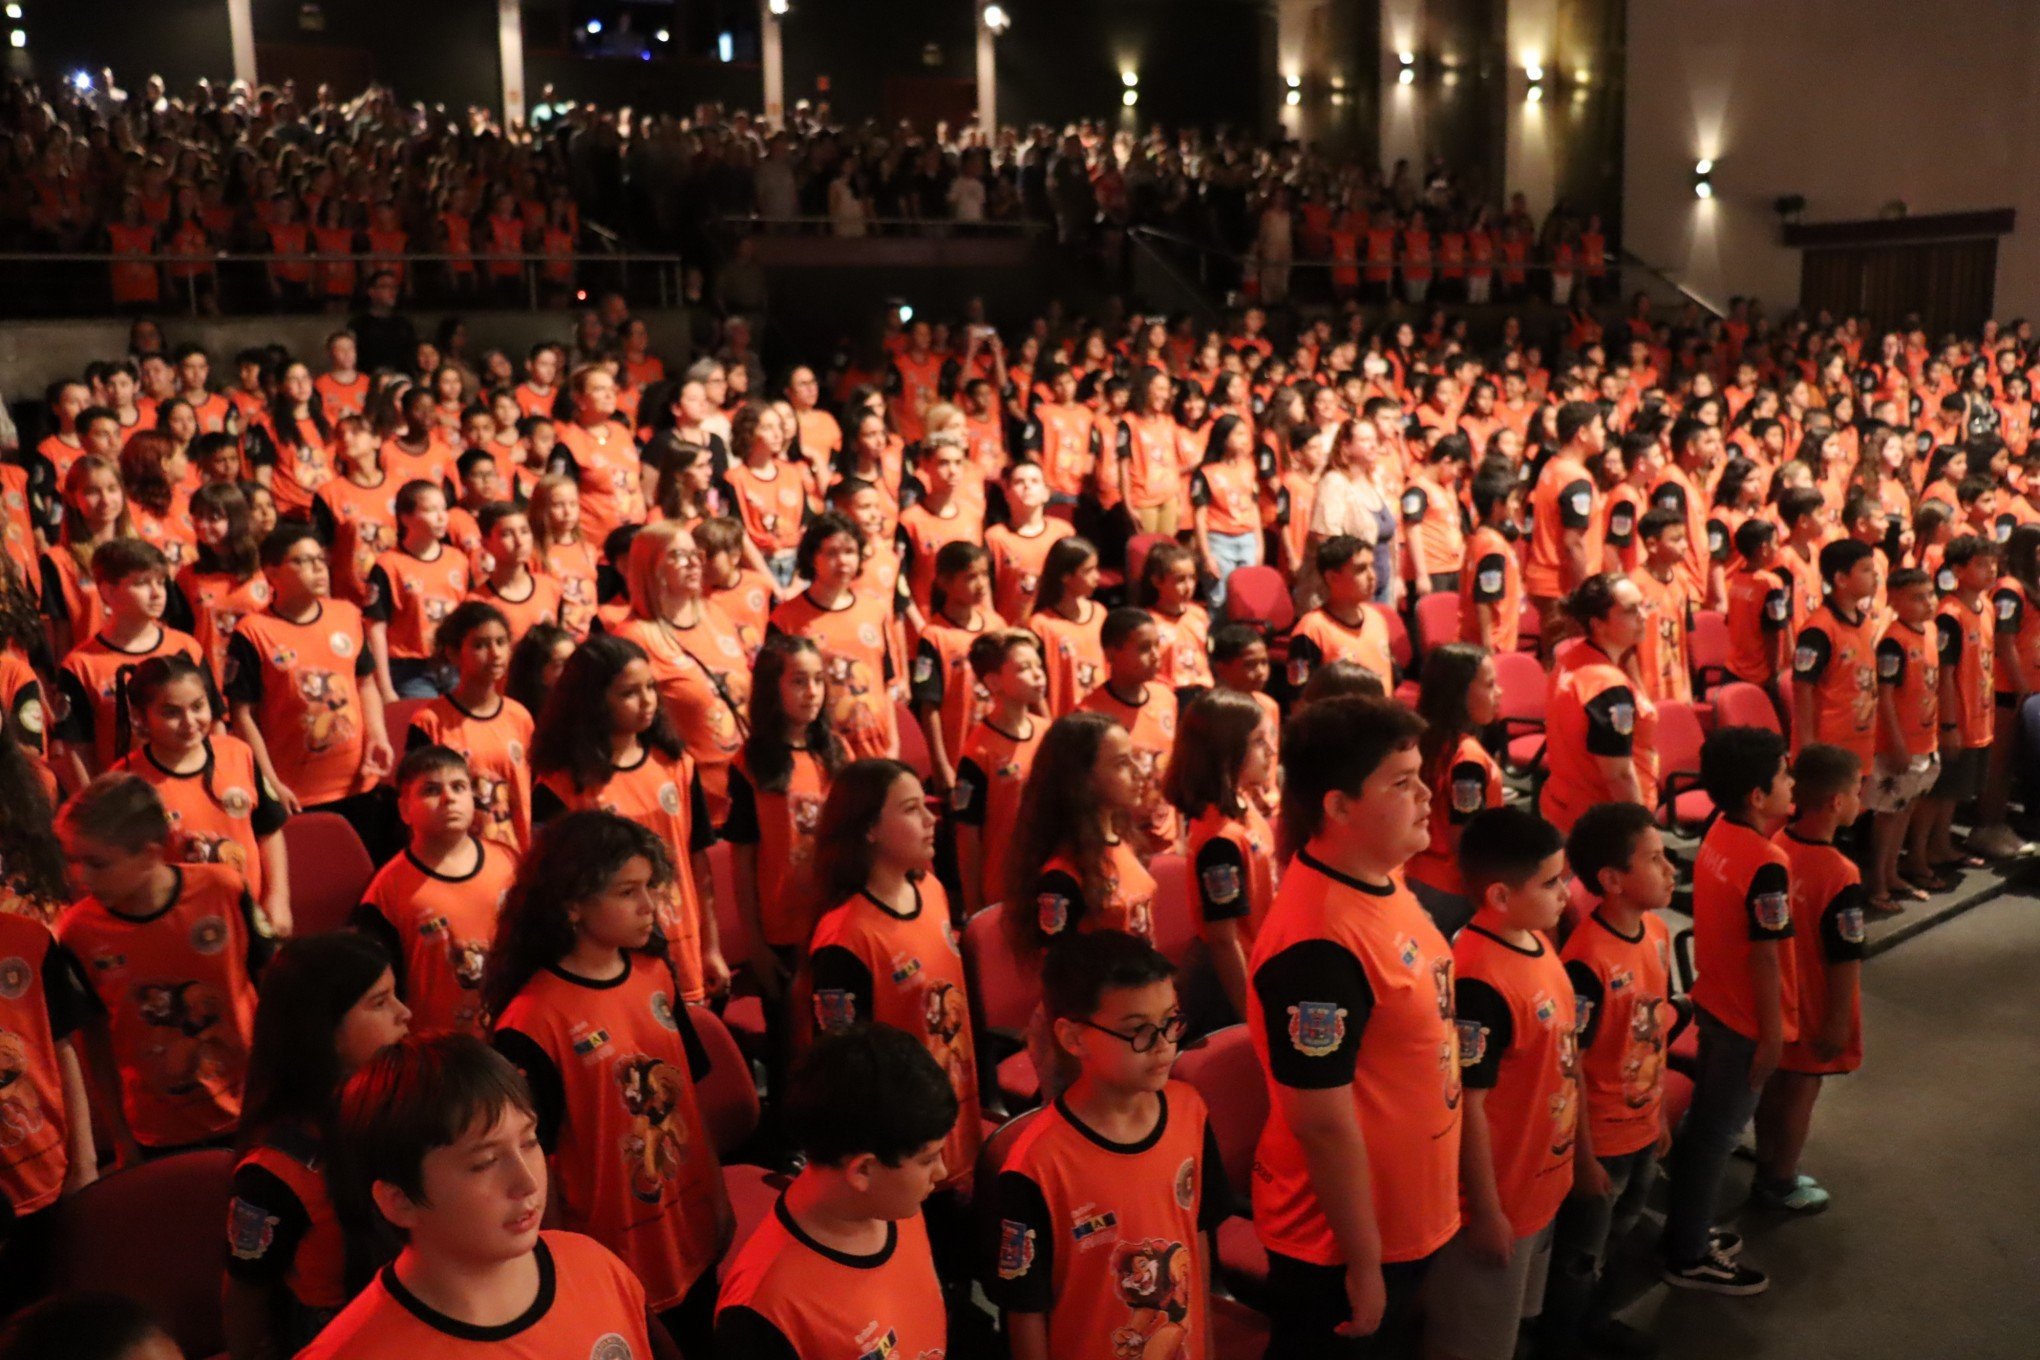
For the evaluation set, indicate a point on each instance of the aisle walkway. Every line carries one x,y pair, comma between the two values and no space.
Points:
1931,1250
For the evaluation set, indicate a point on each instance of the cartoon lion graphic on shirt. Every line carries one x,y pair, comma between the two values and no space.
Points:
948,1021
21,1111
1644,1062
182,1049
656,1142
327,723
1152,1277
203,847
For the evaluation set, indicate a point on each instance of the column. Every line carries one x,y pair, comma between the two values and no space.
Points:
771,61
1528,147
241,33
1402,106
510,56
988,70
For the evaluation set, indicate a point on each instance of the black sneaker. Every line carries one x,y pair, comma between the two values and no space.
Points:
1724,1243
1717,1275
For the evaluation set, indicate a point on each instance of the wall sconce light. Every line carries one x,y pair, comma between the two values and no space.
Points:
1406,60
1703,178
779,8
1534,95
1294,96
997,21
1131,95
1533,71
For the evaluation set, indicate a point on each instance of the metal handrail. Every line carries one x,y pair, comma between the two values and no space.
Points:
1631,258
1007,226
1495,263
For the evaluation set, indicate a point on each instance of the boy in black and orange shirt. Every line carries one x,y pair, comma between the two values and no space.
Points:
1746,999
433,908
1127,1155
841,1266
1619,963
1491,587
1134,697
1827,900
295,674
172,951
1908,741
441,1136
1759,607
1518,1056
992,770
1968,649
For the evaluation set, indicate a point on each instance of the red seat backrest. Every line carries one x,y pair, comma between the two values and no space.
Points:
1175,917
1137,549
728,1095
1707,644
1259,595
1678,739
914,743
1523,686
1398,639
1437,619
1741,704
729,919
1223,1068
1002,991
151,1232
397,722
329,871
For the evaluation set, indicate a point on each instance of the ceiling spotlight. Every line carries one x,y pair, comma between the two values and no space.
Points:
663,35
594,27
14,11
997,20
17,37
1293,82
778,8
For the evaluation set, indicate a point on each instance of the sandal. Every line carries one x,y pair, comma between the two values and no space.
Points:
1882,906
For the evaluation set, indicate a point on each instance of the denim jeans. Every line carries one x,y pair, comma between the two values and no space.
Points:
1722,1106
417,678
1574,1298
1230,552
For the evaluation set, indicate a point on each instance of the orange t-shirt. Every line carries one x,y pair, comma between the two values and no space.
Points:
303,682
1663,659
1595,712
1759,608
1226,492
1186,647
219,603
1106,1237
437,929
1150,723
785,1293
413,595
1518,1042
1319,639
851,638
1065,440
180,997
1129,895
1909,662
872,965
361,524
219,813
615,1067
1146,449
707,706
1827,898
925,534
605,460
1742,896
348,398
497,750
943,681
991,773
541,603
588,1303
1837,656
45,1001
1353,987
781,824
93,682
1233,860
773,507
1074,655
1564,499
1493,577
1017,560
1621,988
573,565
1465,784
1968,647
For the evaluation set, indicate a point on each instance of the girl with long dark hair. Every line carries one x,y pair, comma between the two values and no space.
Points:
1456,701
1068,620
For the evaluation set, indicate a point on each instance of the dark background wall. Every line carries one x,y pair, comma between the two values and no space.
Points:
180,39
1201,62
441,51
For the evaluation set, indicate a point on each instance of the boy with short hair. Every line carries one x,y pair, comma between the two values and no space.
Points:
1128,1156
295,673
1357,1169
1518,1060
441,1136
841,1266
945,696
1746,999
1967,627
172,952
524,596
1239,662
1491,587
996,757
1133,697
433,908
133,580
1619,963
1834,664
1664,660
1908,741
1759,607
1348,626
744,594
1827,899
1019,547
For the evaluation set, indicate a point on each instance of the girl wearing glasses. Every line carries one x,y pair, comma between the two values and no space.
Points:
888,954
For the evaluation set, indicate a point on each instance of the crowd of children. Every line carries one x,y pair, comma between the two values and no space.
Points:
658,704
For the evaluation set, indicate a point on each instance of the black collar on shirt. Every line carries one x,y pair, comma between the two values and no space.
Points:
481,858
1010,736
162,636
594,984
1790,834
202,772
1308,860
176,896
1141,702
1637,938
541,1304
913,915
477,717
841,1258
1154,1135
1535,952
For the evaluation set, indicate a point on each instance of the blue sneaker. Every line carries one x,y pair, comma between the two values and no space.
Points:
1803,1196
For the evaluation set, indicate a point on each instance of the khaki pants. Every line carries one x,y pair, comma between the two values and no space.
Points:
1156,519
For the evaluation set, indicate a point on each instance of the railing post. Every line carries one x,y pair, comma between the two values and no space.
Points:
531,282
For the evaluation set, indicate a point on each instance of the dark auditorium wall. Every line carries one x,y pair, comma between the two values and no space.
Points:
1201,62
443,51
873,54
181,40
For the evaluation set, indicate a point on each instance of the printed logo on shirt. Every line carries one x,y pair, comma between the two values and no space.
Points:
1849,924
1468,795
342,643
2007,606
1583,1012
1805,658
876,1344
1016,1249
591,1043
662,1011
30,717
1621,980
1317,1028
924,669
209,935
1054,911
1582,502
1622,717
1944,580
1092,1227
1222,883
1777,607
1299,671
669,798
1544,1008
1774,910
611,1347
1489,581
15,977
1887,666
1472,1042
905,967
1406,950
251,1230
835,1009
868,634
1186,1183
236,802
